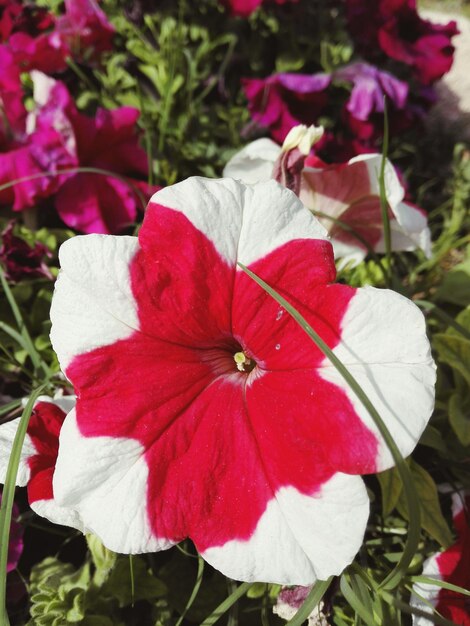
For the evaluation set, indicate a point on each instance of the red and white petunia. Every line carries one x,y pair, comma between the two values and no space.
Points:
348,192
203,409
451,566
38,457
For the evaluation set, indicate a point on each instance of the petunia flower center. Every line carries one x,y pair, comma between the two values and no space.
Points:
243,362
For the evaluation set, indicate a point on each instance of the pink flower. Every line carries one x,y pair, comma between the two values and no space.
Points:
19,259
85,201
244,8
203,410
25,153
38,457
290,600
82,33
15,546
451,566
284,100
395,27
349,192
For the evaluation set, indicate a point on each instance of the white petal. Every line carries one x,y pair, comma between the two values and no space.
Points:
423,594
7,436
393,188
300,538
105,480
58,514
254,163
93,303
273,216
384,345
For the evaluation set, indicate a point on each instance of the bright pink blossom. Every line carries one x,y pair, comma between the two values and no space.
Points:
203,410
244,8
38,457
282,101
40,41
89,202
395,27
348,192
25,153
451,566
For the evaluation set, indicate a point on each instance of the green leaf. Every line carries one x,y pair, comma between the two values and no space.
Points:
119,584
459,417
432,519
455,287
391,487
455,351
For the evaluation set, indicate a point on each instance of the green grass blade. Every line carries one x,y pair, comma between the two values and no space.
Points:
356,603
226,604
78,170
27,342
440,583
393,579
383,195
195,591
8,497
313,599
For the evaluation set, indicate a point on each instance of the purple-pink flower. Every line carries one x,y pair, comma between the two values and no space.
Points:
283,101
244,8
39,40
394,27
19,259
15,545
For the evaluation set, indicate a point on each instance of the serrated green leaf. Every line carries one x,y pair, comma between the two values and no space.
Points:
103,559
432,519
391,487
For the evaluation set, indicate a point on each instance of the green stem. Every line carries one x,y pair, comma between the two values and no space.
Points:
226,604
383,196
195,591
8,497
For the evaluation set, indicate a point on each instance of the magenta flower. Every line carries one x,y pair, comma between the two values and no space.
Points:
38,457
244,8
15,546
86,201
348,192
395,27
282,101
203,410
451,566
25,153
370,87
44,44
20,260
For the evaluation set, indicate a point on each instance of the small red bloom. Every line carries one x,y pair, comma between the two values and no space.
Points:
451,566
244,8
39,456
